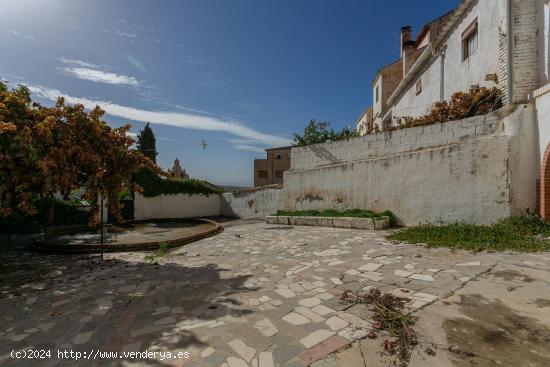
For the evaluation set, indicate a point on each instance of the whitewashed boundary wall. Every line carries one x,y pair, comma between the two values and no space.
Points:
254,203
475,170
176,206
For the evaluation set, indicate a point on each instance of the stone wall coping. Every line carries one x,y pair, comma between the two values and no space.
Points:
398,142
335,222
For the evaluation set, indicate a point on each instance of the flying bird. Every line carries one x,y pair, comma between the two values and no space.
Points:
204,144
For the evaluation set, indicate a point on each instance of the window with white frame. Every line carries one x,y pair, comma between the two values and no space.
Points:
470,41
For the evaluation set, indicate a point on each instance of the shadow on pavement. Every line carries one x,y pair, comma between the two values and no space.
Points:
81,303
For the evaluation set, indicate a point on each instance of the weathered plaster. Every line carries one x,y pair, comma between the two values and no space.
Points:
176,206
475,170
256,204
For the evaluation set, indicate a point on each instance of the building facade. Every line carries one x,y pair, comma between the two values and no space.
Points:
365,123
482,43
178,172
260,172
269,171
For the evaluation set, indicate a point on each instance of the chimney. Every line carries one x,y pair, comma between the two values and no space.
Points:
407,49
405,37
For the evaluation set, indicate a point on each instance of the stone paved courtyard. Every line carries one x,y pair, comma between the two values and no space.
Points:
255,295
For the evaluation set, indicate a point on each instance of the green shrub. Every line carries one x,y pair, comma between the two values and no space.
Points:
393,217
154,185
125,194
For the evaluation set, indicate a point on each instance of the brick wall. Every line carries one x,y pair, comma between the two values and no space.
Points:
525,51
544,186
503,61
392,75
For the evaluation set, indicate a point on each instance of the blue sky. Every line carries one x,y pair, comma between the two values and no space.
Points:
242,75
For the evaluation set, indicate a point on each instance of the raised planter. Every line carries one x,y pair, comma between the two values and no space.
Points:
336,222
211,228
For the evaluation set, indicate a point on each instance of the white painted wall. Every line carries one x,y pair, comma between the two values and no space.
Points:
396,142
411,104
176,206
521,129
377,105
546,42
467,170
425,41
256,204
458,75
542,103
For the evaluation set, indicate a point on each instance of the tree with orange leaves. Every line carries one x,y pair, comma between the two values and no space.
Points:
46,151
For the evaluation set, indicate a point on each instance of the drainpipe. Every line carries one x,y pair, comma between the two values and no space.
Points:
442,78
510,36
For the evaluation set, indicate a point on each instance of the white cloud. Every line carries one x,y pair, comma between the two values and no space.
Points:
78,62
132,60
134,135
250,148
125,35
101,76
247,144
28,36
176,119
212,81
192,110
197,61
242,141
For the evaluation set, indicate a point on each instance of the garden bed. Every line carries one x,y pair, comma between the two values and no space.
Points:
382,222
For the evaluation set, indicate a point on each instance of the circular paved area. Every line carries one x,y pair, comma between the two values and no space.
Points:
254,295
134,236
137,233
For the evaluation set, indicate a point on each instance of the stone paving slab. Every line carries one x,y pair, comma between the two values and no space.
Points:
257,294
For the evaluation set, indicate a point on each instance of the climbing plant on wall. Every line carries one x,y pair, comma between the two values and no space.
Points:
152,184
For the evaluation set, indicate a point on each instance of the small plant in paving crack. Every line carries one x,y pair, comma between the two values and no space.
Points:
389,316
158,254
